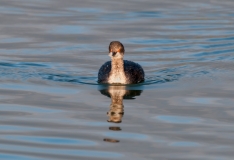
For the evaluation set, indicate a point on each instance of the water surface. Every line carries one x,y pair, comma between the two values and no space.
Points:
51,106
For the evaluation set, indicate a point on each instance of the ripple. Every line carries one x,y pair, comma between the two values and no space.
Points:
68,29
25,71
137,40
185,144
59,152
51,140
24,109
214,52
146,14
14,40
128,136
11,10
69,78
10,156
222,39
217,45
203,100
178,119
22,64
10,128
85,10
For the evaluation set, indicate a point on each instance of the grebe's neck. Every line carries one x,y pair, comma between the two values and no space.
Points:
117,65
117,74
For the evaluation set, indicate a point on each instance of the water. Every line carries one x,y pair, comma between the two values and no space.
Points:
51,106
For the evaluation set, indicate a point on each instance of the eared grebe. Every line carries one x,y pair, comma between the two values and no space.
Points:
119,71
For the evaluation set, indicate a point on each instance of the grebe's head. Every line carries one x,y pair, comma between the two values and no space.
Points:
116,50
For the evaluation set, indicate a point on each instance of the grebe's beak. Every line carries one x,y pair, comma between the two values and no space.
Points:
112,54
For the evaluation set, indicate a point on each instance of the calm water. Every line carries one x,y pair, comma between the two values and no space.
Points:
51,106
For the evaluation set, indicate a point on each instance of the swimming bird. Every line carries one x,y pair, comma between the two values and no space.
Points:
119,71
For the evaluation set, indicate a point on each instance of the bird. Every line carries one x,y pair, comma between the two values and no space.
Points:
118,70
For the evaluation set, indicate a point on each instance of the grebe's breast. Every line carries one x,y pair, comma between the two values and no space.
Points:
133,72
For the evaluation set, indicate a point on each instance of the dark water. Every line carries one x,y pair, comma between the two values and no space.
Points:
51,106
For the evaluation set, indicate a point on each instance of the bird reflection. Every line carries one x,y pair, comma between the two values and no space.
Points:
117,94
116,111
111,140
116,108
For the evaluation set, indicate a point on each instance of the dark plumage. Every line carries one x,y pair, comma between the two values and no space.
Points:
133,72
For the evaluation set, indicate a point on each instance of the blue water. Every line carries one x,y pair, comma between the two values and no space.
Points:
51,106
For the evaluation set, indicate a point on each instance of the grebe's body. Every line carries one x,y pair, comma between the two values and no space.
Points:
133,73
119,71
